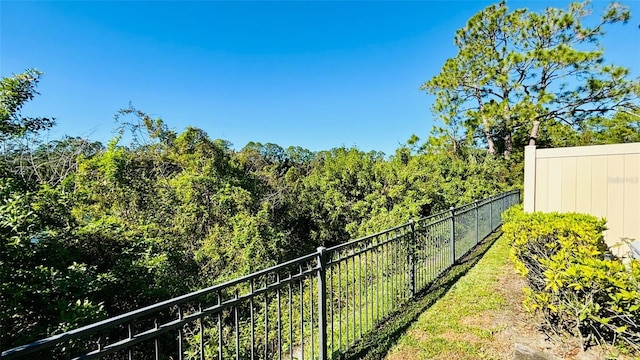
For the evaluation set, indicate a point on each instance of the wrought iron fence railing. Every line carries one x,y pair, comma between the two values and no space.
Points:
315,306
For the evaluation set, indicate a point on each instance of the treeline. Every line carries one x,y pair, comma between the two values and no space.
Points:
92,230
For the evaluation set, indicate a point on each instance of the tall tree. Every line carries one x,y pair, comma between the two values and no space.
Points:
518,68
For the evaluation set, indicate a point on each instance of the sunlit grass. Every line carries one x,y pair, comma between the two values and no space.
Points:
440,332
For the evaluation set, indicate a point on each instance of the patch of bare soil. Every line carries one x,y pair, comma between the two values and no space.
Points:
512,324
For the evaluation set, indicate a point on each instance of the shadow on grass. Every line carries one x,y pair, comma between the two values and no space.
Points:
380,340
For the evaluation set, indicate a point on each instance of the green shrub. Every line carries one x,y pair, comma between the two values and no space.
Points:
574,283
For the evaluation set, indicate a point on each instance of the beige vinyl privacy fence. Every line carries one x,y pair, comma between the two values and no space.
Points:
602,180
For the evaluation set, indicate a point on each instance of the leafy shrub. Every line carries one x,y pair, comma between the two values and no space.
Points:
574,283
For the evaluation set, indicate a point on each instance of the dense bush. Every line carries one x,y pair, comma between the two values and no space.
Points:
89,231
574,283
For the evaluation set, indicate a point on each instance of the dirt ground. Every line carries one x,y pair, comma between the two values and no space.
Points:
513,325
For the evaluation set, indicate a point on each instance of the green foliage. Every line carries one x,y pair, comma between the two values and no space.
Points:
91,231
341,190
514,68
572,280
44,289
622,127
15,91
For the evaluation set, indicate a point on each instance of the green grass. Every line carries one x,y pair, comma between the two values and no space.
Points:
396,329
439,332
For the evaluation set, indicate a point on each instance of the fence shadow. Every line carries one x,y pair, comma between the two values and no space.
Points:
380,340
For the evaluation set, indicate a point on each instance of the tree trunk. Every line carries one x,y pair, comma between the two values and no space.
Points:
485,125
508,146
487,135
534,133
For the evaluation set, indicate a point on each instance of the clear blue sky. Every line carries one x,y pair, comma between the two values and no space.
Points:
314,74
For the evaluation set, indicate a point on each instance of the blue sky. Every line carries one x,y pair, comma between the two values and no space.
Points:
313,74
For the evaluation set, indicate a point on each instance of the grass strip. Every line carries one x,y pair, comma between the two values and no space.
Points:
443,331
426,327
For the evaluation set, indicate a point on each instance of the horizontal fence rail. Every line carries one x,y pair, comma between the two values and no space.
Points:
313,307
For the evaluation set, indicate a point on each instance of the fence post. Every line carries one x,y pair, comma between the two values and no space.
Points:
500,211
518,197
490,215
504,206
453,235
475,206
412,260
322,302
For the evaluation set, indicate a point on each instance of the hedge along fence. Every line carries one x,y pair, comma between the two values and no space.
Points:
578,287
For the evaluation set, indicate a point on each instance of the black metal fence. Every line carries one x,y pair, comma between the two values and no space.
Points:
312,307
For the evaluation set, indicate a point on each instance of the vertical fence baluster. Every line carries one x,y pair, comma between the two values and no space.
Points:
290,320
430,253
453,235
412,263
346,304
266,317
446,246
390,274
427,255
490,216
385,298
406,276
383,280
300,281
366,285
279,318
339,302
322,303
252,320
421,257
201,326
399,270
179,334
392,270
311,314
360,290
219,327
353,271
236,325
376,304
403,269
130,331
440,245
418,256
331,317
504,207
390,277
433,250
156,344
475,209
